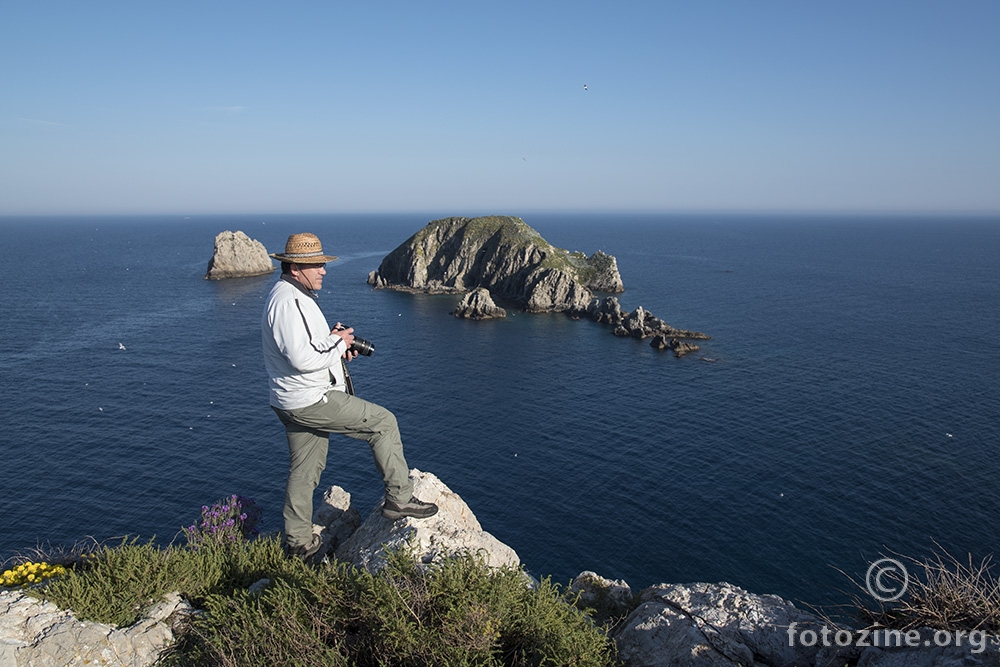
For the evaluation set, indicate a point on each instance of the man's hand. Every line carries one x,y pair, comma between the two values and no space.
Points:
347,334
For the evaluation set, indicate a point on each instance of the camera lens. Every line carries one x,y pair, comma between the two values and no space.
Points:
362,346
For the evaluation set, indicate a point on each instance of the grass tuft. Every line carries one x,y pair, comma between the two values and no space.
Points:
942,593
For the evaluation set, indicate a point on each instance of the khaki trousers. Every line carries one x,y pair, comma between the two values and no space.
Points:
308,430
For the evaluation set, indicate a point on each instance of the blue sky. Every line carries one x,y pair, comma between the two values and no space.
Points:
470,108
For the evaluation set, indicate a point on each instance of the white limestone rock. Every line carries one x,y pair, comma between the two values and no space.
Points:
236,255
335,518
38,634
718,625
454,529
981,650
610,599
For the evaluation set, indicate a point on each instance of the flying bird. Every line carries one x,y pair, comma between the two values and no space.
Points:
120,346
585,87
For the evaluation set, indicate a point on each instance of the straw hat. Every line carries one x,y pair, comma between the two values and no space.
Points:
303,249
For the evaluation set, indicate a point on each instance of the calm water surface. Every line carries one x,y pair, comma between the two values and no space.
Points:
851,409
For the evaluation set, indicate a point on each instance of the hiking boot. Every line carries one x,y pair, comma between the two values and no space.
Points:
307,553
418,509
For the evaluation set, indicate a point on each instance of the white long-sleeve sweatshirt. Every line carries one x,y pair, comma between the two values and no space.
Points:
302,357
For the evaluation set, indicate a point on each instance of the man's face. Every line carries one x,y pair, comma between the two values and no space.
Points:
310,275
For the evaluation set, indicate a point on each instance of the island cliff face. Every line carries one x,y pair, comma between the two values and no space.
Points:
503,255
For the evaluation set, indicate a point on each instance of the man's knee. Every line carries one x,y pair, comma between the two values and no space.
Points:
383,421
390,420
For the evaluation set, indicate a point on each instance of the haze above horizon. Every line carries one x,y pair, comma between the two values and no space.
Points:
195,108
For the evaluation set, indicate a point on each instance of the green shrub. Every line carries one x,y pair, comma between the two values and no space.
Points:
456,612
116,584
288,623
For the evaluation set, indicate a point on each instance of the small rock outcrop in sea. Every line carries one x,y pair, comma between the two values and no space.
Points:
478,305
680,348
503,255
642,324
236,255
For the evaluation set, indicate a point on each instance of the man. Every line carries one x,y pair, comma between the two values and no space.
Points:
304,358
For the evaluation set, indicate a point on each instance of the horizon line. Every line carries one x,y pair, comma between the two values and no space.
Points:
528,211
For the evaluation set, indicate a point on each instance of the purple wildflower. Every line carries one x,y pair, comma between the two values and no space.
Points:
231,519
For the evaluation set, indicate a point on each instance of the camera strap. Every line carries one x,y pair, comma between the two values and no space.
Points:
348,383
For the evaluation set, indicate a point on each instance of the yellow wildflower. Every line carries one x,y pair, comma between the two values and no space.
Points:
30,573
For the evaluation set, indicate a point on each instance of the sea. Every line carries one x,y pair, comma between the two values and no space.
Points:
845,409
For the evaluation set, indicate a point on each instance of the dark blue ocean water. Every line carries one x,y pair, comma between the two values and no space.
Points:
851,410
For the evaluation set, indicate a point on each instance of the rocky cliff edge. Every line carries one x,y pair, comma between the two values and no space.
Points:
678,625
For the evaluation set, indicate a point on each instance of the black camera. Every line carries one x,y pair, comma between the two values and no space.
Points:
360,345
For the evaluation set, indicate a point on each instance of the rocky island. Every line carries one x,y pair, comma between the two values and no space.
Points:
501,254
502,258
236,255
